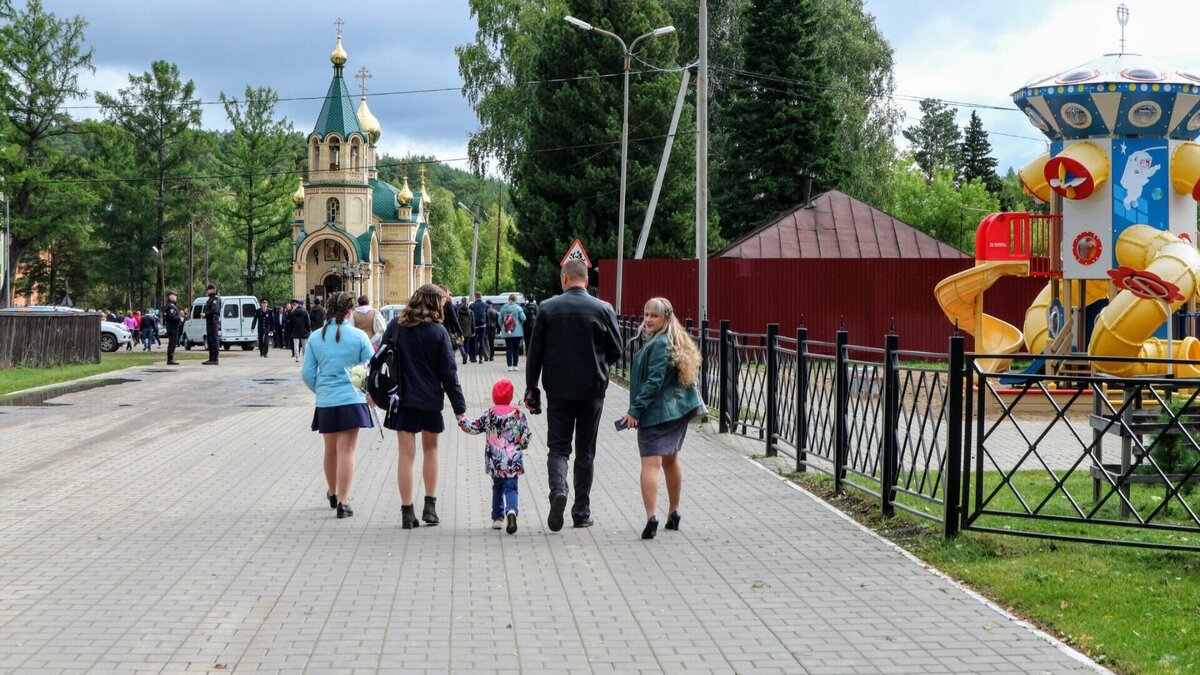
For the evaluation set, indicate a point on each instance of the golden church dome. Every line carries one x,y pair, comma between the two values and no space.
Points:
298,195
338,57
406,195
368,122
425,198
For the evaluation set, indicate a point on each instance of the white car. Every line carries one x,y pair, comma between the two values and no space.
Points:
237,313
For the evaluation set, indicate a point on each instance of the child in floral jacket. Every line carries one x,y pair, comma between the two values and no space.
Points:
507,437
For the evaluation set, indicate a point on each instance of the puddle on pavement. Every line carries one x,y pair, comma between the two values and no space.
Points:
40,398
160,370
255,405
269,380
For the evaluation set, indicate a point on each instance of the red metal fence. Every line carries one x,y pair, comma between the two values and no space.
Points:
867,294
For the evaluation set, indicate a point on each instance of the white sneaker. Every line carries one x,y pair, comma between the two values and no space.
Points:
497,524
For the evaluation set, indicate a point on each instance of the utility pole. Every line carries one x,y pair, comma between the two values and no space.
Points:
702,165
499,225
474,244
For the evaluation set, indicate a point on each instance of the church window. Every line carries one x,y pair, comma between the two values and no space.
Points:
333,210
335,155
354,154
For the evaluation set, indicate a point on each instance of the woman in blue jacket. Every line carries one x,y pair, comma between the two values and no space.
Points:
428,373
341,407
663,398
512,321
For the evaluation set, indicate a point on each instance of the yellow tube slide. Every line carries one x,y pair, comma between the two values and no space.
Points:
959,295
1126,325
1037,331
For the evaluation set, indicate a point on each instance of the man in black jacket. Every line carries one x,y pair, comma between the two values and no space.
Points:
479,323
316,315
172,319
212,325
264,317
450,317
574,342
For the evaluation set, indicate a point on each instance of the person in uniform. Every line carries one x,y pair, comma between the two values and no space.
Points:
172,319
264,319
212,324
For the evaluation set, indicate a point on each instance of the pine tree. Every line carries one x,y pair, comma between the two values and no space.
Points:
563,194
935,139
780,124
975,156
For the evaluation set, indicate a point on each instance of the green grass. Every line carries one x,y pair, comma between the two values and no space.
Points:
1134,610
17,379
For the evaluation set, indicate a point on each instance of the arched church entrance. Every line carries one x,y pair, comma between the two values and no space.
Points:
323,268
333,284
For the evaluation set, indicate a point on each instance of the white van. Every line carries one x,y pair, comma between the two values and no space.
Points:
237,314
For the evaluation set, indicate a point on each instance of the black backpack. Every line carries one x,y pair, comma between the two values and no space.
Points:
383,371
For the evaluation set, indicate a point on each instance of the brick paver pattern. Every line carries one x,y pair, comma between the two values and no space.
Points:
179,523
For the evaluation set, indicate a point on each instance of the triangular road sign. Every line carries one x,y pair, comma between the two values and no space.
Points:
576,252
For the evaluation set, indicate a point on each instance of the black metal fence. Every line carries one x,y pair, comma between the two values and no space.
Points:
1073,457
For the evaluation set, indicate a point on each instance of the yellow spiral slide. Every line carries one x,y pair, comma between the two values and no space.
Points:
960,296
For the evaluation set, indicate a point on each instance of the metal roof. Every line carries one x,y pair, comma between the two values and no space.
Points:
838,226
338,114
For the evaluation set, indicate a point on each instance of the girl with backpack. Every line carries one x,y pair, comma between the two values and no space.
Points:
341,407
428,374
512,322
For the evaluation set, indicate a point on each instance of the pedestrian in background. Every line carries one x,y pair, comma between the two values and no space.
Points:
316,315
512,329
574,343
278,322
368,319
450,318
341,408
299,327
663,398
212,325
493,329
531,312
286,328
131,325
479,328
428,374
173,320
465,324
264,319
507,431
149,330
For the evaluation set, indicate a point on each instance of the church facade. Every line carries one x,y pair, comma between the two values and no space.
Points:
352,231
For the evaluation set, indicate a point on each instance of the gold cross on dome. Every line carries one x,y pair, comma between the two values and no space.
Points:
422,171
363,75
339,23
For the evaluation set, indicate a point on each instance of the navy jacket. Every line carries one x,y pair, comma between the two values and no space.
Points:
479,313
427,367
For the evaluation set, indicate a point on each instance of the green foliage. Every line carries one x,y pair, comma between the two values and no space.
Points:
161,113
563,194
939,207
260,157
975,156
773,137
935,138
1013,198
41,57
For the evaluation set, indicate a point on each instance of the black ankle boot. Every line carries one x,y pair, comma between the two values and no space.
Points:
429,514
408,517
344,510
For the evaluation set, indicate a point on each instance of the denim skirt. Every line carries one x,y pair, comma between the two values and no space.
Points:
341,418
662,439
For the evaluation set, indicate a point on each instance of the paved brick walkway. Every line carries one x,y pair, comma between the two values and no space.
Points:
179,523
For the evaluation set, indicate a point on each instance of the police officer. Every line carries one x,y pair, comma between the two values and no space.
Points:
264,319
212,324
172,319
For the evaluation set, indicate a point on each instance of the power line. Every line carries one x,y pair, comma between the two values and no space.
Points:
404,92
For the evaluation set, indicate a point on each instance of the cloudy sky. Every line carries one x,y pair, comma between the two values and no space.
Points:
970,52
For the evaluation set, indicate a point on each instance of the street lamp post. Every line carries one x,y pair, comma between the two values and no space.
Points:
160,296
627,55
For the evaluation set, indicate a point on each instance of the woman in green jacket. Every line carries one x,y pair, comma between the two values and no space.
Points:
663,398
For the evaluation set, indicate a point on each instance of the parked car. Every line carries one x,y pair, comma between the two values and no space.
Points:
390,312
112,335
237,313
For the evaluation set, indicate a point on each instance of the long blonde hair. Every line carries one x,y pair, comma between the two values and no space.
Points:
684,354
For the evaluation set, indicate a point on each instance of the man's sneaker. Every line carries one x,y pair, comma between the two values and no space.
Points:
558,504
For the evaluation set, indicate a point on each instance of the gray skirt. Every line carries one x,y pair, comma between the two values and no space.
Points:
662,439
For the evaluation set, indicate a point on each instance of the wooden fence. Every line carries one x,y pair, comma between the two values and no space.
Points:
42,340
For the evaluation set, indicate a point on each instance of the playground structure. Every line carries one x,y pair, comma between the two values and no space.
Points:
1119,256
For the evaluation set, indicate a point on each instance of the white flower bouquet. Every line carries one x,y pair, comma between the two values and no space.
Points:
358,379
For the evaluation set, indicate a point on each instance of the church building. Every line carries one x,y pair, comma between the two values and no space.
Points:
353,231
